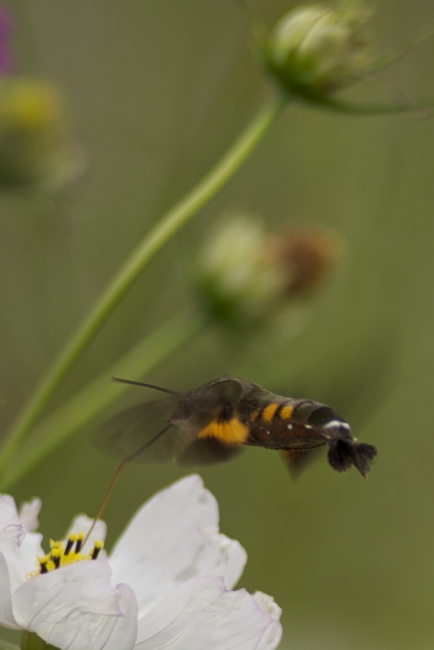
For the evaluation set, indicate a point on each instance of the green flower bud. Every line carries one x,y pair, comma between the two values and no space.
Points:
247,275
35,147
238,280
316,50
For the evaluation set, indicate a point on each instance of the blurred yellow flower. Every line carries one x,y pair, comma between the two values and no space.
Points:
35,147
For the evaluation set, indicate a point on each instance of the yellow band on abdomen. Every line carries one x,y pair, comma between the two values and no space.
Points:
232,432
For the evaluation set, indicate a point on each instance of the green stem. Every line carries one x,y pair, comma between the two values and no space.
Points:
166,227
101,392
31,641
4,645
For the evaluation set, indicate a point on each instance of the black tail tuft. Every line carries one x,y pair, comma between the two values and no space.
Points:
343,453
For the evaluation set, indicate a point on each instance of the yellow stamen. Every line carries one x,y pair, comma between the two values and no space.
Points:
63,553
96,549
72,538
79,542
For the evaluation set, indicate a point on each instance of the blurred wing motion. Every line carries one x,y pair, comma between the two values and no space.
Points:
208,451
137,434
297,459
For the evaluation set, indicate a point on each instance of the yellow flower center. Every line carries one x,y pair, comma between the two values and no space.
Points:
63,553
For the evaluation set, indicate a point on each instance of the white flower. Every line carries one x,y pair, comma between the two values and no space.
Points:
165,585
14,526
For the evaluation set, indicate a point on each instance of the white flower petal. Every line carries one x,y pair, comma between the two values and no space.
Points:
30,549
11,527
203,614
172,538
222,557
6,616
273,634
73,607
124,631
29,512
82,524
21,560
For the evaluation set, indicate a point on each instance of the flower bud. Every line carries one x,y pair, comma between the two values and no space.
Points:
316,50
306,257
35,148
238,281
246,274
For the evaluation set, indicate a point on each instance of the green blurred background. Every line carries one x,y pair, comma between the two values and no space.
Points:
156,91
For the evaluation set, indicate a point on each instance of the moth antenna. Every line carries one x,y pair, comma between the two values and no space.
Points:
116,476
143,385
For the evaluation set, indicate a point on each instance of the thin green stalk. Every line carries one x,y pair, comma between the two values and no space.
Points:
31,641
83,407
373,109
399,52
166,227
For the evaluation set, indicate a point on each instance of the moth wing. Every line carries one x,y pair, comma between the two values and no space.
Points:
297,459
207,451
227,389
213,398
136,432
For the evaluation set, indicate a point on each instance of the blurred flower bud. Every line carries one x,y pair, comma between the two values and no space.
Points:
306,257
316,50
35,148
246,275
238,281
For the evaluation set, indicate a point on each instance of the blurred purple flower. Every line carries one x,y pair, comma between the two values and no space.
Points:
7,27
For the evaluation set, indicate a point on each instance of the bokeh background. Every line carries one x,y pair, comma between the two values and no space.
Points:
155,92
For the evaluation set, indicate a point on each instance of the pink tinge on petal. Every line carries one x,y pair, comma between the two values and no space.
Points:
6,615
273,634
11,527
201,614
75,607
29,551
173,538
124,628
21,560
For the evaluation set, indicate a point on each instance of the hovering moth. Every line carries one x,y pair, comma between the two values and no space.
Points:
211,424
